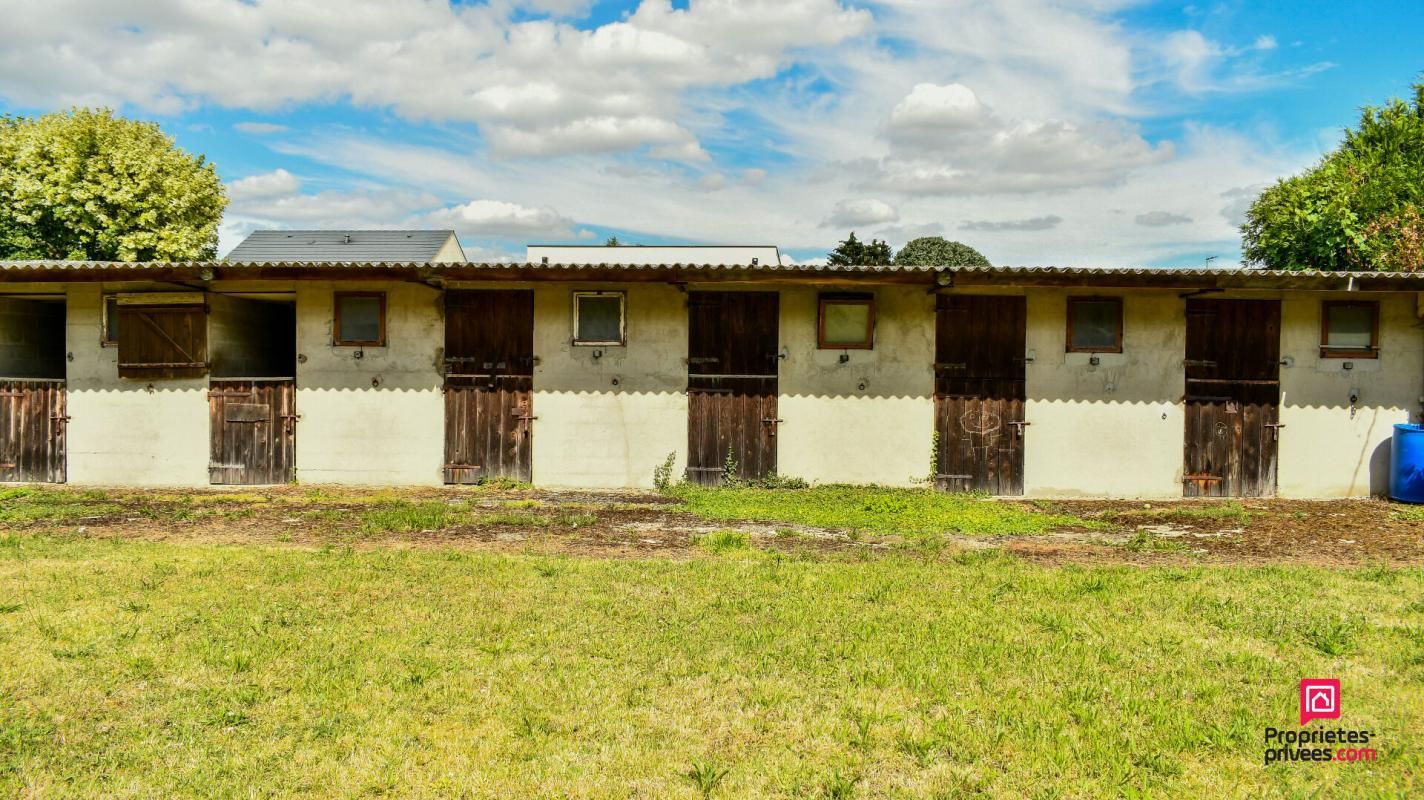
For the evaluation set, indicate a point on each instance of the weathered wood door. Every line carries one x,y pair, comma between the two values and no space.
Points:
732,384
979,393
252,425
1233,397
32,426
489,384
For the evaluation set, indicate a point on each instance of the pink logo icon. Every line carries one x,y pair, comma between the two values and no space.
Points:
1319,699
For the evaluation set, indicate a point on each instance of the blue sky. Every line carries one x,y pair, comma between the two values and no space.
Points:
1040,131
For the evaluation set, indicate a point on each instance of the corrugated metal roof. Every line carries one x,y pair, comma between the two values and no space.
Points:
1119,277
340,245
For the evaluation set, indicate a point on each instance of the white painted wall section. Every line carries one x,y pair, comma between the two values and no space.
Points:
869,419
608,421
376,419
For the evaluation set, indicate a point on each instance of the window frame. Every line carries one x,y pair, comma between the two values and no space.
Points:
107,320
622,318
845,299
1370,352
336,340
1072,300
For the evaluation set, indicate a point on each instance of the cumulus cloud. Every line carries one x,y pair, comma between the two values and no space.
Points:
1030,224
535,86
499,218
270,184
945,141
1159,219
856,213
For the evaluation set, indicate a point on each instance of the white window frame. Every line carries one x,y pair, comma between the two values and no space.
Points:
622,319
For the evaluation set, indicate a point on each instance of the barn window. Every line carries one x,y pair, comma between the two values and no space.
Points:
1094,325
360,319
599,318
846,322
162,336
1349,329
109,327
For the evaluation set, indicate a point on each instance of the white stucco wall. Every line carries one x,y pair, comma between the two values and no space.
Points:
609,421
1115,429
835,430
377,419
123,431
1325,451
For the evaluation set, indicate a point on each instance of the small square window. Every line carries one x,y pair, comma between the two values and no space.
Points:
109,326
598,318
1349,329
360,319
1094,325
847,322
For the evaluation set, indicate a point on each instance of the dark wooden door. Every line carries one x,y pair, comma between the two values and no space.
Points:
252,424
32,427
489,384
732,364
1233,397
979,393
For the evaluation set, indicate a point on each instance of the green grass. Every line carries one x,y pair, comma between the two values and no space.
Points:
1230,511
150,669
724,541
1144,542
872,509
28,504
1410,514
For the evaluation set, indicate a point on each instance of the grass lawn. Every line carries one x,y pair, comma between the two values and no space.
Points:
872,509
134,668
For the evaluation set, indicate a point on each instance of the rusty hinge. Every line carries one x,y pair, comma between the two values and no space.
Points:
1197,362
60,418
1275,428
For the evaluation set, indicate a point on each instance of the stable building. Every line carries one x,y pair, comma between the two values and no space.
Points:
1041,382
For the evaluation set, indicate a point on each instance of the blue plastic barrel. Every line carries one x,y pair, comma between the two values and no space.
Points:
1406,464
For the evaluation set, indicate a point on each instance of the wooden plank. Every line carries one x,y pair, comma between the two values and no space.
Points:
489,333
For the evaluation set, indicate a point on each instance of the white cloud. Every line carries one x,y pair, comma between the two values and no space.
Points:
499,218
259,128
856,213
535,86
271,184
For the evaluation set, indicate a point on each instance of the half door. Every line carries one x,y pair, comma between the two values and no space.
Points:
1233,398
732,385
489,384
979,393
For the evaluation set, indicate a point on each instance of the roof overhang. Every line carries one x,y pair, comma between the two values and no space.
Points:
942,277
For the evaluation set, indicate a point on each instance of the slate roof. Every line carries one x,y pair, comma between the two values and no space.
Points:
340,245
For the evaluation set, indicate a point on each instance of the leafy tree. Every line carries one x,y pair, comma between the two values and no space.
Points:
1360,208
86,184
611,241
936,251
854,253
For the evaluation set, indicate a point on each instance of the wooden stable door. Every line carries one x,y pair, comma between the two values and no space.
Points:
252,424
732,384
489,384
979,393
1233,398
32,428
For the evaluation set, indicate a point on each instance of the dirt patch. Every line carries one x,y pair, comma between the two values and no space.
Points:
642,525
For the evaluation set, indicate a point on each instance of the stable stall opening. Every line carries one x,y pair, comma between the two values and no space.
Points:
1233,372
732,385
252,389
32,389
979,393
489,385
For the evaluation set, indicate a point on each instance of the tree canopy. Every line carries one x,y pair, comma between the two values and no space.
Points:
854,253
1360,208
85,184
936,251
